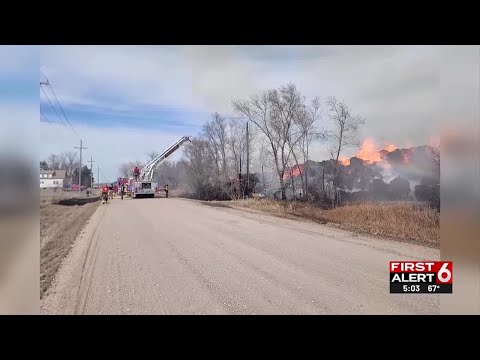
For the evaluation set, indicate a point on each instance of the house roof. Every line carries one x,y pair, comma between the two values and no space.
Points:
56,174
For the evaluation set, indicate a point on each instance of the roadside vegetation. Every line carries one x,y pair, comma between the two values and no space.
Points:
400,220
59,227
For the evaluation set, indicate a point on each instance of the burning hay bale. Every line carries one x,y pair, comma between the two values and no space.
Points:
399,188
379,189
428,191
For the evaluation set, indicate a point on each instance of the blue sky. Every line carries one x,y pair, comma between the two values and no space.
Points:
125,101
146,117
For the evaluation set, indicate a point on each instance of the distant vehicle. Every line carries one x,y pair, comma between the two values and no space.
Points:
146,186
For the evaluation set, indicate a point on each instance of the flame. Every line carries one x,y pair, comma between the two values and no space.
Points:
370,153
391,147
344,160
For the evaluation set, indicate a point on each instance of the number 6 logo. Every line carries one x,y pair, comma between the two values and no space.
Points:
444,274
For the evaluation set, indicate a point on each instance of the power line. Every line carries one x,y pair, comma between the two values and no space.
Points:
45,119
61,107
56,112
52,122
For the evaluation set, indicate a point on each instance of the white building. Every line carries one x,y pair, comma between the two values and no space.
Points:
52,178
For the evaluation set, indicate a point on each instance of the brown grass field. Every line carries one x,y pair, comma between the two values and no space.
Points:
398,220
59,227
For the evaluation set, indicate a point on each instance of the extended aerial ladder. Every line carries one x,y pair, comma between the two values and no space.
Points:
146,186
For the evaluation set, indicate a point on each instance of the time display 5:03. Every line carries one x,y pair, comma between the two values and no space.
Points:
411,288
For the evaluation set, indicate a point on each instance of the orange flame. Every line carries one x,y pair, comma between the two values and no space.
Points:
391,147
344,160
370,153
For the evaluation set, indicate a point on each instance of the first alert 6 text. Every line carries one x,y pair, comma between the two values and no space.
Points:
413,277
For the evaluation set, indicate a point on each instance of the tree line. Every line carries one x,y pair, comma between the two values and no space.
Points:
283,126
68,161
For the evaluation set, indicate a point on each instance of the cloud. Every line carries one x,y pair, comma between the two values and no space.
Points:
400,90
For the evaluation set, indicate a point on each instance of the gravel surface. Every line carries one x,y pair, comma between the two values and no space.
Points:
178,256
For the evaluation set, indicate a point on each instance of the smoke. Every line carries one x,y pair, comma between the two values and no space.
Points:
413,184
388,173
354,190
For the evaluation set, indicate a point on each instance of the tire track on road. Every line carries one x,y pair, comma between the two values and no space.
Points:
88,268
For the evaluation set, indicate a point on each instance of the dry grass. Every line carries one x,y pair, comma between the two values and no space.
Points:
399,220
59,227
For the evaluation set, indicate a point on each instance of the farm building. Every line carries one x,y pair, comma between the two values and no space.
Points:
52,178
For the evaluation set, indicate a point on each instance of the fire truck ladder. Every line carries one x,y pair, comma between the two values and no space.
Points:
146,173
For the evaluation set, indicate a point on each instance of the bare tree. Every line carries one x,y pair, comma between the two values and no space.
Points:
265,158
237,148
126,169
44,165
62,159
219,126
344,134
152,155
215,132
308,126
200,166
236,144
71,161
167,174
273,113
53,162
302,137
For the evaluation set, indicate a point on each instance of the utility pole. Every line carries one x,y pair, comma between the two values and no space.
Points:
80,167
248,163
91,171
98,175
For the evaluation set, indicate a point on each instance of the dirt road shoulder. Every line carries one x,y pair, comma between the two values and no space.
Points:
61,226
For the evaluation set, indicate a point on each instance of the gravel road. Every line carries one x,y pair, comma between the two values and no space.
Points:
178,256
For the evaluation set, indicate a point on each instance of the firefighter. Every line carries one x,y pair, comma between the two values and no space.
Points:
136,173
104,194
